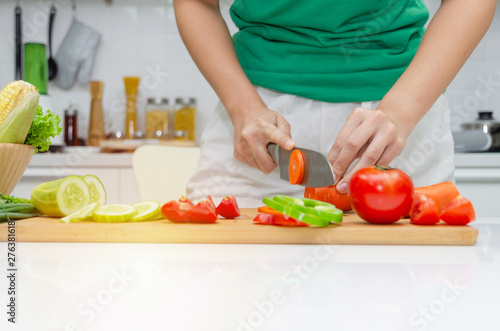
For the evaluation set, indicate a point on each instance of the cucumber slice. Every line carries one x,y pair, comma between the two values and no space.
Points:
114,213
84,214
61,197
147,211
97,191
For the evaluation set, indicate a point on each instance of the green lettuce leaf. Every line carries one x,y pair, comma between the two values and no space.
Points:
43,128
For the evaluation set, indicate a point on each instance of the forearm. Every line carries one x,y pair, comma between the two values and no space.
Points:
209,42
452,35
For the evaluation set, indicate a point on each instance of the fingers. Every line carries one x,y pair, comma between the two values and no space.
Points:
352,122
371,155
368,134
279,137
251,141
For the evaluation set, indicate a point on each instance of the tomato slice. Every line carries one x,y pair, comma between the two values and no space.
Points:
176,211
459,211
228,207
424,210
296,167
203,212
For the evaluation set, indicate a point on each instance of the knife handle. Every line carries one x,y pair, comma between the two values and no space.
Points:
271,149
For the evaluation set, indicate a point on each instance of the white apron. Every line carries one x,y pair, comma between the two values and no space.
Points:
427,156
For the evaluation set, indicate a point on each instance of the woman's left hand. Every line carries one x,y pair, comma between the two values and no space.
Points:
373,136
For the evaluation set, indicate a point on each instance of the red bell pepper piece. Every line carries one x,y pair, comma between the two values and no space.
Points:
228,207
459,211
176,211
424,210
282,219
203,212
263,219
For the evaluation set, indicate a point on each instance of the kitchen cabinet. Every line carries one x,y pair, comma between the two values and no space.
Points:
114,170
477,176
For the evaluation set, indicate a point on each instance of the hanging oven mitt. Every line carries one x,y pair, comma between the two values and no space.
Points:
75,57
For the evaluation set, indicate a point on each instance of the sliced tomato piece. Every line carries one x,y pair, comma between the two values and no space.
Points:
176,211
185,199
228,207
203,212
210,202
459,211
296,167
424,210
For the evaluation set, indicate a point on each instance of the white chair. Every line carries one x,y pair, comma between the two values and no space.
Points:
162,172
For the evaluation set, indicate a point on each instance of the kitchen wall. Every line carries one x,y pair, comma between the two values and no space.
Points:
141,38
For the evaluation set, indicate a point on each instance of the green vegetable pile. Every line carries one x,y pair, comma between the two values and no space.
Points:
12,208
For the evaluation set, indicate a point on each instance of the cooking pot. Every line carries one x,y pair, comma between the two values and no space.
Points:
488,125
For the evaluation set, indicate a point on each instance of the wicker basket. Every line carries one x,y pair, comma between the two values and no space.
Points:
14,159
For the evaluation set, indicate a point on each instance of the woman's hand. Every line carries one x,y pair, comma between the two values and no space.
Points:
373,136
253,130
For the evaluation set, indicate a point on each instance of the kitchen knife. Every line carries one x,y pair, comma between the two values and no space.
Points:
318,171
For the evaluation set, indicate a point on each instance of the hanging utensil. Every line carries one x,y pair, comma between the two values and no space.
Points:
19,71
76,54
52,63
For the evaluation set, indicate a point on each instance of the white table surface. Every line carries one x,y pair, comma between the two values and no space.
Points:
63,286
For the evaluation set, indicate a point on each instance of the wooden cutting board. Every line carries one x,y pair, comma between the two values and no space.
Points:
353,231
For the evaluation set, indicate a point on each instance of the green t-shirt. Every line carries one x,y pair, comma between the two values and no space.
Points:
330,50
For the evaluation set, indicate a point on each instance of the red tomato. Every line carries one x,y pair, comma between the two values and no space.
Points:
458,212
380,194
424,210
228,207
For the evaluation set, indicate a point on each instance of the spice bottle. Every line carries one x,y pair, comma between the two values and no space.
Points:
71,126
157,118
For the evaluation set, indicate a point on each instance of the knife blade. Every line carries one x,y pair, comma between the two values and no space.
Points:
318,170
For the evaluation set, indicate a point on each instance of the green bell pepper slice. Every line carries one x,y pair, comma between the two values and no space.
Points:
309,211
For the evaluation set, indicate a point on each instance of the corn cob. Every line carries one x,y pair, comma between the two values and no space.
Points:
18,104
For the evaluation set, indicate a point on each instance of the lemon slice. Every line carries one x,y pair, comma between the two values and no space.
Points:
114,213
97,191
84,214
147,211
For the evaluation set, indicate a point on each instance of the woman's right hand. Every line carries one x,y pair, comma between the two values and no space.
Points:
253,130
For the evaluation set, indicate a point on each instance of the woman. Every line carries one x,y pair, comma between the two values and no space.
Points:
356,80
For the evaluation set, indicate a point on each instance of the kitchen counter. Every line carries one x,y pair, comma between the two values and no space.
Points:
64,286
477,175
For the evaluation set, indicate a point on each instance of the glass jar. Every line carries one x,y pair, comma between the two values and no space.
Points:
184,116
157,118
